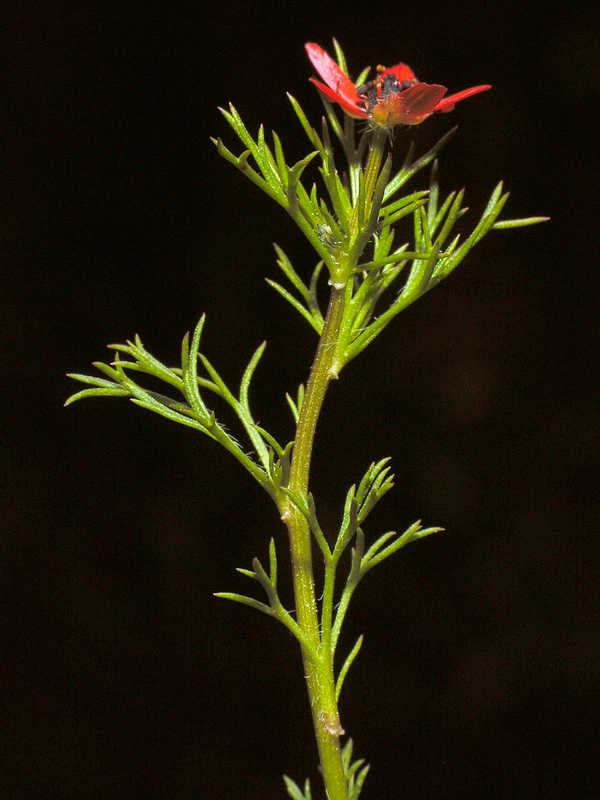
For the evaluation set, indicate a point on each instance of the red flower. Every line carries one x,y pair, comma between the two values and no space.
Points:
395,97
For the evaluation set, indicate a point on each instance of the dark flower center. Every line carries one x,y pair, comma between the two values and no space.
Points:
385,85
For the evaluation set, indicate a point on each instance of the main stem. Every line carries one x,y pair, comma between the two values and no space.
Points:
318,670
318,657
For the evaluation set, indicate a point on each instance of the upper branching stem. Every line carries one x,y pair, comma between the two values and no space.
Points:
327,363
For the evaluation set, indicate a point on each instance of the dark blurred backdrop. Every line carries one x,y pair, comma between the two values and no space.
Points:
122,676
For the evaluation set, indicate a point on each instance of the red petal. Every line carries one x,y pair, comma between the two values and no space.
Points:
447,104
349,108
332,74
402,72
422,99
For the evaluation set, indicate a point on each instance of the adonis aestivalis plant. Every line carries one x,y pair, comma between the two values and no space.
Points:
378,250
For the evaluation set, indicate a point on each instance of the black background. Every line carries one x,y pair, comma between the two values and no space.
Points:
122,677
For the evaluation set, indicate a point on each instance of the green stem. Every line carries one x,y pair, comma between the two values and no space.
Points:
374,163
363,218
318,656
371,173
318,670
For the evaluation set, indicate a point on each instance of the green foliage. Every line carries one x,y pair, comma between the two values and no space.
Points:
294,790
309,309
270,462
359,210
354,770
348,219
269,583
355,773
